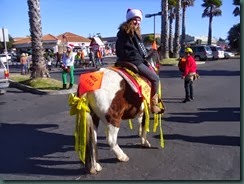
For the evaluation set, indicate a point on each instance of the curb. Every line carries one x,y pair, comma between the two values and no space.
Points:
41,92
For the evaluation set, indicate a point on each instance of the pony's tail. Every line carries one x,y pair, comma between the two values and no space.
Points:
90,152
91,146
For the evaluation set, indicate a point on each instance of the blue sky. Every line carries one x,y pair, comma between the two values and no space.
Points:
84,17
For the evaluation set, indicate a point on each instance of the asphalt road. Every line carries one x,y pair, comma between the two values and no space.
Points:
202,138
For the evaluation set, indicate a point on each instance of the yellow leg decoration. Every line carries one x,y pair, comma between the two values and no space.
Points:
158,119
130,124
147,116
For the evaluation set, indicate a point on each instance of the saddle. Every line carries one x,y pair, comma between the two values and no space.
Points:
129,72
126,64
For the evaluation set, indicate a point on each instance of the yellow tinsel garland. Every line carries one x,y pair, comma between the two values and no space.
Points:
79,108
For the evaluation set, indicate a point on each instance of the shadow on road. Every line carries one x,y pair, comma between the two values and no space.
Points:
13,90
206,114
213,140
218,73
173,100
177,74
26,149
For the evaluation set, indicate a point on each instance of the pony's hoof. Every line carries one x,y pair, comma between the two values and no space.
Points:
146,144
98,167
123,158
93,171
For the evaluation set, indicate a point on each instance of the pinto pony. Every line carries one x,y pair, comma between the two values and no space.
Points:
114,101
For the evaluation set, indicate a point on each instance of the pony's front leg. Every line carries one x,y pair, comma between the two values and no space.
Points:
144,142
112,134
142,131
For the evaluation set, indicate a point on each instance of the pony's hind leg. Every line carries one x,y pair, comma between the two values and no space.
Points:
91,164
112,134
96,120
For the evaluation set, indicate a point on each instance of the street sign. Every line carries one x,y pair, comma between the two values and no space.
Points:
4,35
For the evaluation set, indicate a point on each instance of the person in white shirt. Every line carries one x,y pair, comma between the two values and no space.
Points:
68,66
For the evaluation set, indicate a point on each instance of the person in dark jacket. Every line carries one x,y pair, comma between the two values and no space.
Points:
130,48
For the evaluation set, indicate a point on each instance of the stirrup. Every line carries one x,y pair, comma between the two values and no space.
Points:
160,100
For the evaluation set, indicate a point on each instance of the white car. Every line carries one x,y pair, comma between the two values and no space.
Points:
3,58
218,52
229,55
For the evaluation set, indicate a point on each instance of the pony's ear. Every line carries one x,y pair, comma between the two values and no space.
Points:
128,10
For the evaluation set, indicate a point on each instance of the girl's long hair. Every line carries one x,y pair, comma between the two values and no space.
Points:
130,29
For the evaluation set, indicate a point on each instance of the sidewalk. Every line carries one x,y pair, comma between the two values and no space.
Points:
60,92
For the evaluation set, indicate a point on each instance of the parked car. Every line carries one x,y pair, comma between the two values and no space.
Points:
3,57
218,52
4,74
228,54
200,52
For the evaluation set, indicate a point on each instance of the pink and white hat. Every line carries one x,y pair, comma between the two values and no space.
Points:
131,13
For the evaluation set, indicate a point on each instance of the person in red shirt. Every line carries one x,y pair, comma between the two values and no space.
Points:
188,74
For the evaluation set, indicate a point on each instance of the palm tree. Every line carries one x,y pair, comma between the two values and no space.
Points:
164,30
236,11
39,67
212,9
177,30
184,4
172,5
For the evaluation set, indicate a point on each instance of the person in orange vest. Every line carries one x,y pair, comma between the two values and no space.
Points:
98,57
154,45
82,58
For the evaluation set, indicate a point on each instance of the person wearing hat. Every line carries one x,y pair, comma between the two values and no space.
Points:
23,63
130,48
189,74
68,66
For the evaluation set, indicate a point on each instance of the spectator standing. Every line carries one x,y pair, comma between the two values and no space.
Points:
189,74
58,59
78,58
82,58
29,63
68,66
92,57
23,64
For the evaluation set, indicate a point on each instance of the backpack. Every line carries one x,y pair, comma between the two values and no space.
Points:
182,64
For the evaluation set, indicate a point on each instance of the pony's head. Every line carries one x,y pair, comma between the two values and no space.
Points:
154,59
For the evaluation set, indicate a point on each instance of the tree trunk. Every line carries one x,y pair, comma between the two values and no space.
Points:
177,30
183,33
164,30
170,36
39,66
210,27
